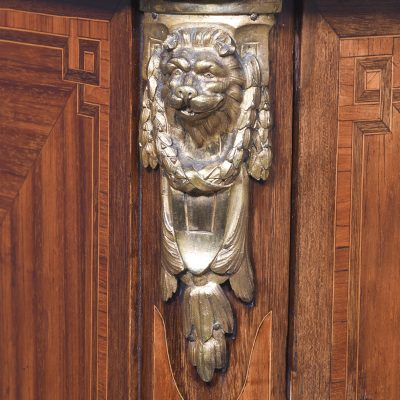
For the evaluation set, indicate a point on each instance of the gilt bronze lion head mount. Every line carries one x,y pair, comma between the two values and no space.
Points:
206,121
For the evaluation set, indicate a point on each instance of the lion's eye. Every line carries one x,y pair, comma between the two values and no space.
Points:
209,75
177,72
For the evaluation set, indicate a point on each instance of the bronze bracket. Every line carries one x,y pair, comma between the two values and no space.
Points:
217,7
206,120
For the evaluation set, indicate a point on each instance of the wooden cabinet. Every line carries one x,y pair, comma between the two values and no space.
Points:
347,203
65,164
81,315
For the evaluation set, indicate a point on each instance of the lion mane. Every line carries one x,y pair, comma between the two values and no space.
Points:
233,131
230,83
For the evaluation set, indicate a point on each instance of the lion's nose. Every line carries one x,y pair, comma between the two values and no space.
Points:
186,92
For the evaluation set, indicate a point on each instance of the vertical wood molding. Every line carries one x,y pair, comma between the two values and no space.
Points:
123,238
314,208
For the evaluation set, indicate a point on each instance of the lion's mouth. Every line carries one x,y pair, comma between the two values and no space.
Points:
198,108
189,113
192,113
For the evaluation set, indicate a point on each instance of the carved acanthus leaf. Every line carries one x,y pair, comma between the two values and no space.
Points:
260,159
208,317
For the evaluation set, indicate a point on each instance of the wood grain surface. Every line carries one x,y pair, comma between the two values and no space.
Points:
314,208
41,294
257,382
46,231
364,338
87,9
64,217
164,380
346,222
80,219
122,290
356,18
270,228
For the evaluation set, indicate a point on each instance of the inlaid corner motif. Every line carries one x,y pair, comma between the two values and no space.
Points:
206,121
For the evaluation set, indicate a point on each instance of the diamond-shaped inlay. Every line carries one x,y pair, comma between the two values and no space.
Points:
373,80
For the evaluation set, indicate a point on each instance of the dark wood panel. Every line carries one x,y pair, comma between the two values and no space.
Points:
314,208
123,236
379,302
136,285
362,328
49,61
345,231
46,235
92,9
28,112
361,17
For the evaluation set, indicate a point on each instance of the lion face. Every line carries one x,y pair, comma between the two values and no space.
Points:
202,86
196,83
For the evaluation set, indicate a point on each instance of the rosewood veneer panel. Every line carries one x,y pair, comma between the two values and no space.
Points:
65,163
346,230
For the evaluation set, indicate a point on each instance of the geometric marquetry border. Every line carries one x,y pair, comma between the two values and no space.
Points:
85,47
369,92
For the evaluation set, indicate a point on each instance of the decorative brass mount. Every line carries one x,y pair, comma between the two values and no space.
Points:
207,7
206,121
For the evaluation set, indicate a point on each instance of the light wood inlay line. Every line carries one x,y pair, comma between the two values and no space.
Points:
257,384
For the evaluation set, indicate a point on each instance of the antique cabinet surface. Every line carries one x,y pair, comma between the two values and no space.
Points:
82,312
345,263
65,161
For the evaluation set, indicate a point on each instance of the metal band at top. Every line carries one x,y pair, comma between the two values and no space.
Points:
215,7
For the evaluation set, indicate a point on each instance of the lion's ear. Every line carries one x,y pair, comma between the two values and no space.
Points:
224,43
171,42
147,144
